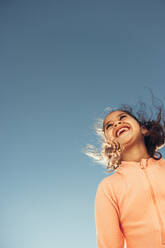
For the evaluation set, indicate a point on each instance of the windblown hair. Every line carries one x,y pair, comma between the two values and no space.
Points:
110,154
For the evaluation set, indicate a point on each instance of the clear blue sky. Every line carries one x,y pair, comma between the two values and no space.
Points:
62,63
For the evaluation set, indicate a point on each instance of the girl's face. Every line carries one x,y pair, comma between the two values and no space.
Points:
120,126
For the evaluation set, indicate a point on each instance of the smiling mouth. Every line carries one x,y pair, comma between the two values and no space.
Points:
122,130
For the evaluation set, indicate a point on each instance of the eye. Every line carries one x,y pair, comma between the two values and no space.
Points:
122,116
109,125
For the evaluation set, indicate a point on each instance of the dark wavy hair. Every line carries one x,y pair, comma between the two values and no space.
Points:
154,139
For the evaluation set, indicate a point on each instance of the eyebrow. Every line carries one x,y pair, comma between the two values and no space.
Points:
104,126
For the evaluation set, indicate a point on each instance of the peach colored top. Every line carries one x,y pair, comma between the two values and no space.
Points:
130,206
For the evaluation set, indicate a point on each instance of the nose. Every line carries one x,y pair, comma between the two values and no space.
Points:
117,123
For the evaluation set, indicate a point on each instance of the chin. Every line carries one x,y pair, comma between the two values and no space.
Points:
126,142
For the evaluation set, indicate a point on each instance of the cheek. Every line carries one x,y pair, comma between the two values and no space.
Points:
108,134
137,129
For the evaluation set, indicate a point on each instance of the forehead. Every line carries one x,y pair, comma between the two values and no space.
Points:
112,115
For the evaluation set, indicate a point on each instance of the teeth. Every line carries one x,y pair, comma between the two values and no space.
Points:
121,130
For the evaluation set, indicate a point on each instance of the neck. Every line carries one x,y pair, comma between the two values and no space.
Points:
135,153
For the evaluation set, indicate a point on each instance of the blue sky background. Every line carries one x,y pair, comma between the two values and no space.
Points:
62,63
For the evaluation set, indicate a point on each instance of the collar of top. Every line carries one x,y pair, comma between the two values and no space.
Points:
143,163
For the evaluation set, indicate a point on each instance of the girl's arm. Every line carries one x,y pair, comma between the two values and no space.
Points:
109,234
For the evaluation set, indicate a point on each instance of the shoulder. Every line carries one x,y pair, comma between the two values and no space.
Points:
162,160
108,184
106,192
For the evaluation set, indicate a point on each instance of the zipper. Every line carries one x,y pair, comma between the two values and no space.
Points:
143,166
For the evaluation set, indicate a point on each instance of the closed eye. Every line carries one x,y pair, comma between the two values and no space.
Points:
109,125
122,116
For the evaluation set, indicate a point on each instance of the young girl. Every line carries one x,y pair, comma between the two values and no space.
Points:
130,204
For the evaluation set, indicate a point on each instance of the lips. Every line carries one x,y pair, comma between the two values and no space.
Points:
121,129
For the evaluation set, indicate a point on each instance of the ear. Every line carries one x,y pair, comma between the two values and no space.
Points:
144,130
